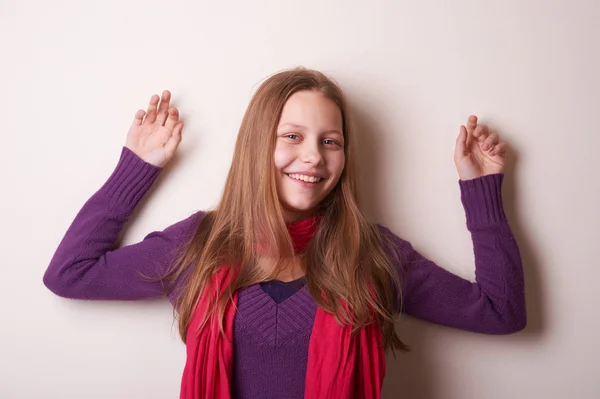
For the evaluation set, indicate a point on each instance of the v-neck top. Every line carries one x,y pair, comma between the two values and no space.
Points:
271,340
279,291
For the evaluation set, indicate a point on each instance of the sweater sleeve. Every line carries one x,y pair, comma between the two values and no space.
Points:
87,264
495,303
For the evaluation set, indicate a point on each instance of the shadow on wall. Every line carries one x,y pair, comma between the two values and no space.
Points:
415,375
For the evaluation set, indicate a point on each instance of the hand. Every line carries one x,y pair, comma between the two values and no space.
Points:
155,137
478,152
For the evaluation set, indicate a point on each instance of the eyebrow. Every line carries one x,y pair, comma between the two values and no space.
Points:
304,127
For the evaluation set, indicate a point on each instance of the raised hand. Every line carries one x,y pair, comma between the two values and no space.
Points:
478,152
155,134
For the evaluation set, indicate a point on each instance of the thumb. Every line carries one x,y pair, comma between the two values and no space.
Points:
174,140
460,151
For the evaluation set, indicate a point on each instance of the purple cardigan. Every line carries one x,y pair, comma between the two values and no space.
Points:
271,339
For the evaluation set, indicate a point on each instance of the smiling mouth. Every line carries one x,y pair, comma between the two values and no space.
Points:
304,178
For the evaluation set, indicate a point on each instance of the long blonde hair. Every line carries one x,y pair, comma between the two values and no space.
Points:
347,260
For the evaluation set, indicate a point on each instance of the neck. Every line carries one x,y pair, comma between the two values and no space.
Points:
302,231
291,271
294,216
294,267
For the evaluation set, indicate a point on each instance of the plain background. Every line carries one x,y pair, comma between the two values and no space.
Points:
73,73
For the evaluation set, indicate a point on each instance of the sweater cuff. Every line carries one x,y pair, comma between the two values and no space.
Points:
482,199
130,180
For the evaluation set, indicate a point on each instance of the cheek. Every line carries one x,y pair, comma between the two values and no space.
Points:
281,157
337,164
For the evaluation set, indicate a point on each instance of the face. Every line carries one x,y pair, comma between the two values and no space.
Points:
309,153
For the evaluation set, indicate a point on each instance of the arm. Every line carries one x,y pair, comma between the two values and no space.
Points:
86,264
495,303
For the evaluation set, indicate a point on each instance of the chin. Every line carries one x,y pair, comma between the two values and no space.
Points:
299,210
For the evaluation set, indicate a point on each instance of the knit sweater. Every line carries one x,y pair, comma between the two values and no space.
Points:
271,335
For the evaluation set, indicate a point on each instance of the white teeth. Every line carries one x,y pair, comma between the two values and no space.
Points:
309,179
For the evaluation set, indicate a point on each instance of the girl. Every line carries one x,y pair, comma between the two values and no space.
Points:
286,290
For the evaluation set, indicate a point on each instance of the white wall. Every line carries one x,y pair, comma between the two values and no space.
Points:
73,73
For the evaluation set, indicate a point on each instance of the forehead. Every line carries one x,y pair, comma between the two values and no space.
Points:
311,109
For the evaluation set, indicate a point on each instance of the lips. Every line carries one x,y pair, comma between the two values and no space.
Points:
304,184
305,177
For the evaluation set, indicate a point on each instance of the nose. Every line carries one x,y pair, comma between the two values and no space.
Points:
311,154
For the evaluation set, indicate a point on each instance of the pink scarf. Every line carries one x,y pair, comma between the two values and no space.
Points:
339,366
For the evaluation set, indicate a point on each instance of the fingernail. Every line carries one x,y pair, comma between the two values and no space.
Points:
486,146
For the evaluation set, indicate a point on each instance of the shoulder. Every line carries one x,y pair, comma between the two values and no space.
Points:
394,243
183,230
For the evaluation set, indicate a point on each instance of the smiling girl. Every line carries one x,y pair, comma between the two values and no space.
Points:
286,289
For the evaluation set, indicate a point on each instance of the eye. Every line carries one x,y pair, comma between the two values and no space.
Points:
291,136
331,141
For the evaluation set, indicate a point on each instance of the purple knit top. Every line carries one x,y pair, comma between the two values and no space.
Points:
274,320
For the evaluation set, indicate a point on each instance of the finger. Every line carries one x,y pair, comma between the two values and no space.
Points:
470,127
460,149
471,124
151,113
161,115
172,119
491,141
174,140
500,149
481,133
139,117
